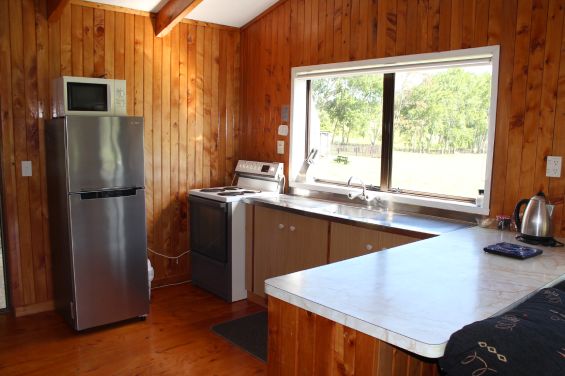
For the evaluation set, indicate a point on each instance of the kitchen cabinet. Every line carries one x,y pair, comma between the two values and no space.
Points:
284,243
351,241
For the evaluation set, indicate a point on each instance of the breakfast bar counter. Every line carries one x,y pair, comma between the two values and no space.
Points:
415,296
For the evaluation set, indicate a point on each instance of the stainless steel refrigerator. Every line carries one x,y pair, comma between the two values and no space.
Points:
97,218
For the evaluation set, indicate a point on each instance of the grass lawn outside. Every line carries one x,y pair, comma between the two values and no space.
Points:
459,174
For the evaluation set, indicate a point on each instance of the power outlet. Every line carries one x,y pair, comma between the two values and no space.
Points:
26,168
553,169
280,147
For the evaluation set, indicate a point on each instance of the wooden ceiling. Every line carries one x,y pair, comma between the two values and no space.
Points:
172,12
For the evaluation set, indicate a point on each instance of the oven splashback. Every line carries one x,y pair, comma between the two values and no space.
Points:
256,184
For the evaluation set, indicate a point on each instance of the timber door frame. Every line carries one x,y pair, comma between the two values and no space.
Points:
4,275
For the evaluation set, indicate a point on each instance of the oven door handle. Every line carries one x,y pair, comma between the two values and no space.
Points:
208,202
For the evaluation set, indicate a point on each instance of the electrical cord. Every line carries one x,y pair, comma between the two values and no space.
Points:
169,257
171,284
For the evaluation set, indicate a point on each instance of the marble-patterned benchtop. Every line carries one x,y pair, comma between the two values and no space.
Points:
415,296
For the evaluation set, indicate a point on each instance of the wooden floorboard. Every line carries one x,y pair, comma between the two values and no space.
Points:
174,340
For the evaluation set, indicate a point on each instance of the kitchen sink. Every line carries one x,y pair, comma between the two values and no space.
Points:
307,202
354,212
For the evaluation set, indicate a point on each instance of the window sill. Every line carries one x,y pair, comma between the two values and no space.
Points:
397,197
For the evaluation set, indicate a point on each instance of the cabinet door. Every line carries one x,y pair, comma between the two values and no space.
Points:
390,240
270,240
307,245
350,241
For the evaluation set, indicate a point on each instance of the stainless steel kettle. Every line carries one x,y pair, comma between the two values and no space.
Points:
536,222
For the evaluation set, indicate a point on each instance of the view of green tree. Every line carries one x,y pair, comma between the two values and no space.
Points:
350,106
443,113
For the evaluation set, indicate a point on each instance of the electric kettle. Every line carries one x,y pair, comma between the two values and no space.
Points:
535,224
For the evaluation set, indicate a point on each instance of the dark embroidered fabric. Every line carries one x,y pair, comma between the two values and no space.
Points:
560,286
528,340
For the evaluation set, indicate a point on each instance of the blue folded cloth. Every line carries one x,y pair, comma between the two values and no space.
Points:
513,250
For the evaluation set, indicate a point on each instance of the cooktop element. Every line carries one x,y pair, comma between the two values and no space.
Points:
252,179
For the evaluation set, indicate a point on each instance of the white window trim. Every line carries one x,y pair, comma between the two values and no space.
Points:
300,75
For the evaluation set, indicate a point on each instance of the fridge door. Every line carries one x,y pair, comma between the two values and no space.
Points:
109,256
104,152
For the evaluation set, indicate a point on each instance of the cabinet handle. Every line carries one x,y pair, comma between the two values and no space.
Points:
281,226
292,228
368,247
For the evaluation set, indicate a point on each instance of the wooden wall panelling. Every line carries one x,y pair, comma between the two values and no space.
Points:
550,81
20,145
174,142
533,97
165,82
220,105
148,128
66,43
182,224
9,197
76,41
214,111
156,151
557,187
502,31
88,41
164,220
227,109
33,83
43,90
199,109
531,85
119,46
518,101
192,164
99,43
445,24
303,343
109,45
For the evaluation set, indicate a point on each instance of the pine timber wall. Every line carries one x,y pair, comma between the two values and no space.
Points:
530,121
186,85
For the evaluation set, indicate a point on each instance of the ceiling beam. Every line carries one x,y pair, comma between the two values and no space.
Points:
171,14
55,8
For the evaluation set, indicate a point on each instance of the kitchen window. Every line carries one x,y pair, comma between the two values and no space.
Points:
419,129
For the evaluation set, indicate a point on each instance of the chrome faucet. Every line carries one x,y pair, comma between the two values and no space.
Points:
353,195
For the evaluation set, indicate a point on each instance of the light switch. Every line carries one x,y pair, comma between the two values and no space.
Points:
553,168
283,130
26,168
280,147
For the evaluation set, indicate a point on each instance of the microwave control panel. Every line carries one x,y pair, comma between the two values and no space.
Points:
120,96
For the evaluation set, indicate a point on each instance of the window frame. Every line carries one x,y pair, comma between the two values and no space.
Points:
299,119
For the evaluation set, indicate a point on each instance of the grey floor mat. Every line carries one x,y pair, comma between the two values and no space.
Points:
249,333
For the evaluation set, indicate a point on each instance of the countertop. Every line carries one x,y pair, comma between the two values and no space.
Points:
416,295
401,222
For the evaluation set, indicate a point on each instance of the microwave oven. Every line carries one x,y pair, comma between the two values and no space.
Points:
88,96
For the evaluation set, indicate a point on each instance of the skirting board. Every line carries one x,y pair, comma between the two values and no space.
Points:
34,308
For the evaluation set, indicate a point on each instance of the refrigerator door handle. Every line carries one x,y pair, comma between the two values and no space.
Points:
108,193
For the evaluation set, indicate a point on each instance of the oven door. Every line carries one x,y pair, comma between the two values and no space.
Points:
209,228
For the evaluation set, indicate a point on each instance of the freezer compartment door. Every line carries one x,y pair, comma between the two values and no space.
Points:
104,152
109,256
